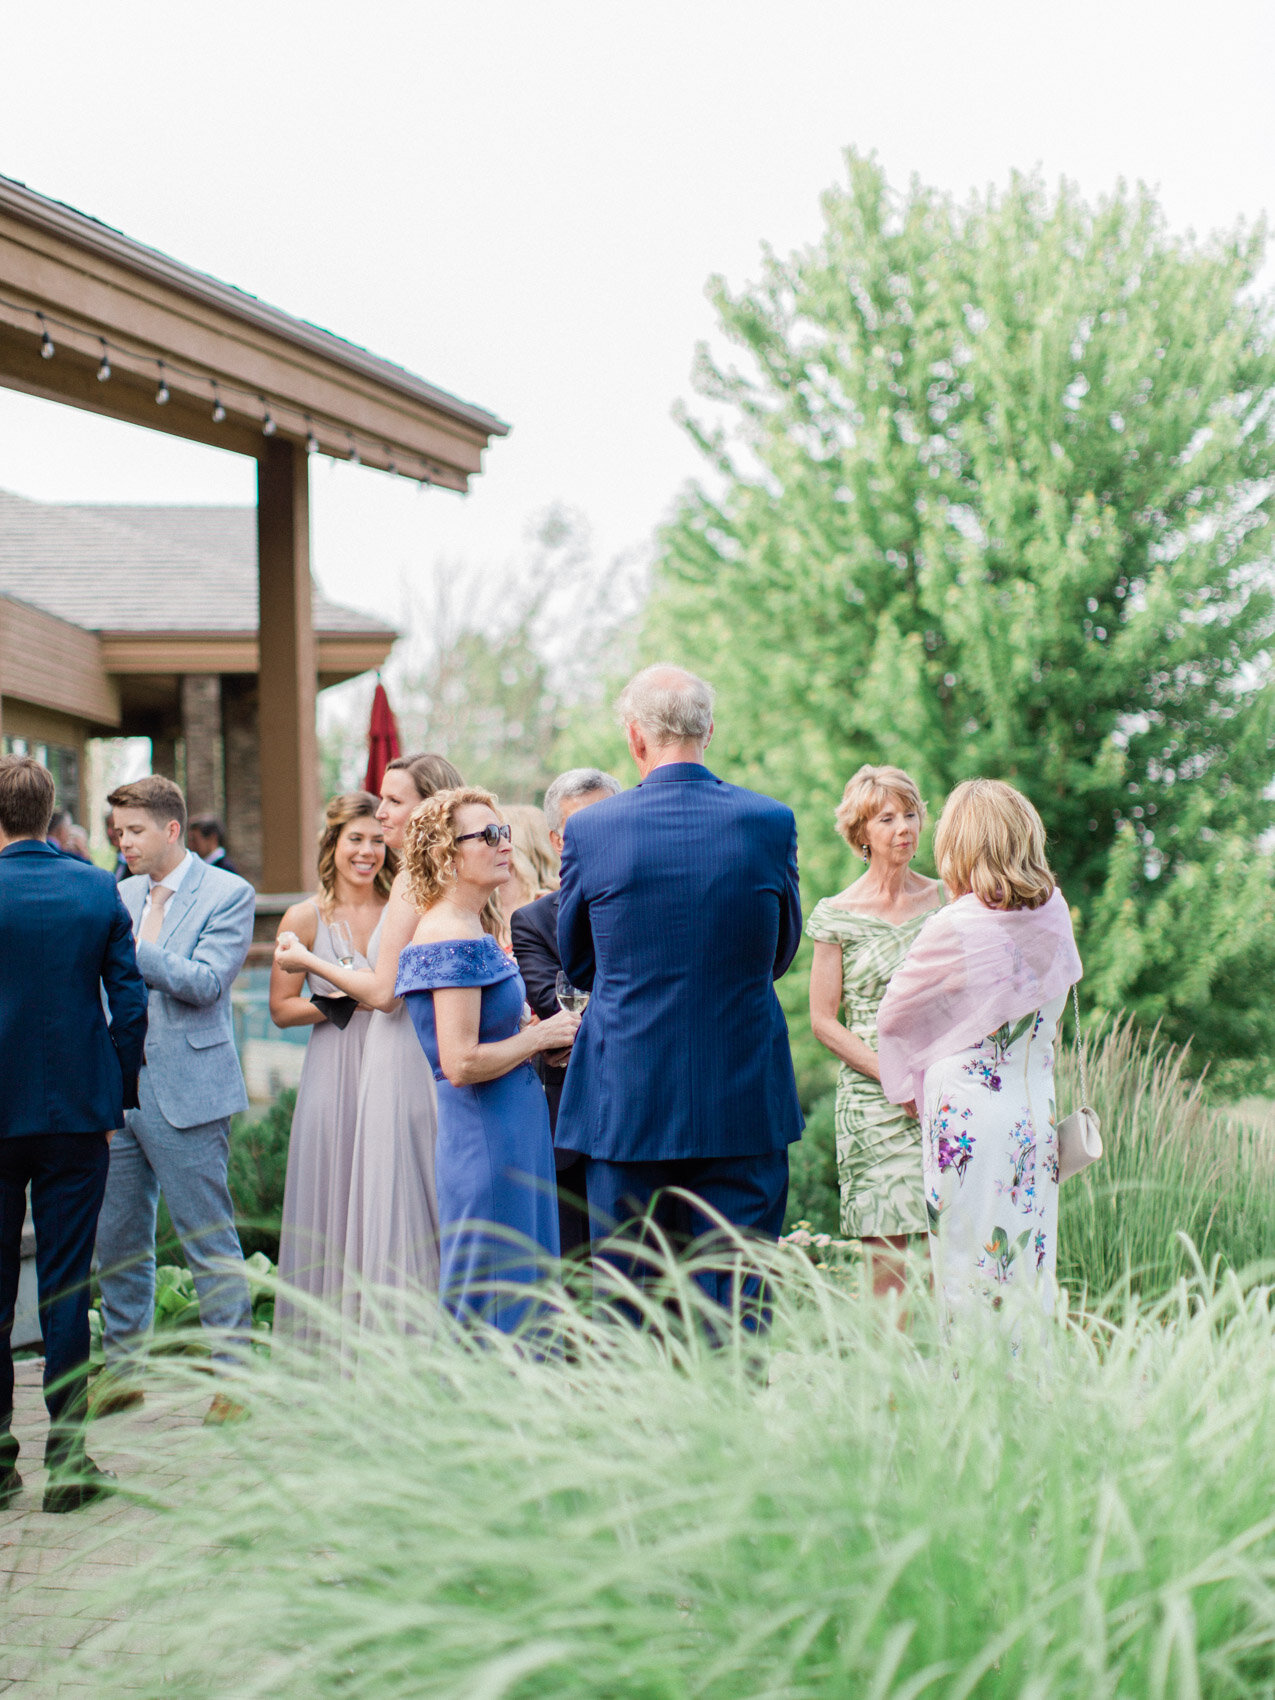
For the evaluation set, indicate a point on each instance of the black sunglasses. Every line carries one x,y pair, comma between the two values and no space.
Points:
490,835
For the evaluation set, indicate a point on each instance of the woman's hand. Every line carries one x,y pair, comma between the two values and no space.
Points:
291,955
558,1033
910,1109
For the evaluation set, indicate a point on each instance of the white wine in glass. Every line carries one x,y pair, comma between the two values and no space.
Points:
571,998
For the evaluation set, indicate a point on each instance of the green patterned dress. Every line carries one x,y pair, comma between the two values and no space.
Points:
878,1145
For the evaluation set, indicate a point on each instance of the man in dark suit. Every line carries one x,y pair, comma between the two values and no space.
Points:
207,838
679,909
68,1077
534,928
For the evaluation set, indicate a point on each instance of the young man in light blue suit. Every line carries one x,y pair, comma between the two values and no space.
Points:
679,910
193,926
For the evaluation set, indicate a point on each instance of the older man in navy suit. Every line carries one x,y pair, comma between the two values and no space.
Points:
680,909
68,1077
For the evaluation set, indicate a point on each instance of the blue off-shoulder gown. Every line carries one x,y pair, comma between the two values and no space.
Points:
494,1162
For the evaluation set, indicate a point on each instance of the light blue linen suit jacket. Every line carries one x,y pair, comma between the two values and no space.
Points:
190,1042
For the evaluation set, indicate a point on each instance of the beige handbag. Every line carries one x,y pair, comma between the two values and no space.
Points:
1080,1133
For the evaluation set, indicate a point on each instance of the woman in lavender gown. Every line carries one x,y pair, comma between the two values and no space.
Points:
391,1232
343,920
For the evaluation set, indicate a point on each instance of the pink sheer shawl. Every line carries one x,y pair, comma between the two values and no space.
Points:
969,970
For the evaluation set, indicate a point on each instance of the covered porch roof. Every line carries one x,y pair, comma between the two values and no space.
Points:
87,290
93,319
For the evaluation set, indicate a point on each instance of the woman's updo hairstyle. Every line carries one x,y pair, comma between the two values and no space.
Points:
341,810
991,841
428,773
867,793
429,844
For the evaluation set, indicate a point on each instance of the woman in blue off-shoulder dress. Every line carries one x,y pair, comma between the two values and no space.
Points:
497,1199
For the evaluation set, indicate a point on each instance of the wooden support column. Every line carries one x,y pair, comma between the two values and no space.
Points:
288,745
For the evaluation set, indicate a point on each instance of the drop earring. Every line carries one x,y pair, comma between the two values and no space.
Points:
863,851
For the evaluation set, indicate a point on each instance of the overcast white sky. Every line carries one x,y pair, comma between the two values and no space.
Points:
523,201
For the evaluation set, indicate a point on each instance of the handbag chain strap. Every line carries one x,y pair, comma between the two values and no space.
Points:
1080,1051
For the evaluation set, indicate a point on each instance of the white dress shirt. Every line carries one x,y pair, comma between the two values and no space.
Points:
172,880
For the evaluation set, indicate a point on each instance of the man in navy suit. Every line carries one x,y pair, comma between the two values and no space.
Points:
534,932
679,909
68,1077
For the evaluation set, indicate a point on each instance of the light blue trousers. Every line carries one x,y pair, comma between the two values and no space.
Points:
188,1165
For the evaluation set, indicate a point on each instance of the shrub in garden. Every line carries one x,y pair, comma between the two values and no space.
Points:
1173,1166
257,1171
639,1518
813,1192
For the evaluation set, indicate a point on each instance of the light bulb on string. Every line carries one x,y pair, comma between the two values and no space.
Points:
104,367
311,441
162,393
47,350
218,412
354,451
268,426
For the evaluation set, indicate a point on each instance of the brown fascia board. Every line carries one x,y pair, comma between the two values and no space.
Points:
148,653
88,233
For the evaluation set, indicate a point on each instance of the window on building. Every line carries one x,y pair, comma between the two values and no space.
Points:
62,761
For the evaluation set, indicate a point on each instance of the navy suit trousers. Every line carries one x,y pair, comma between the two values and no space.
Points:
751,1193
67,1176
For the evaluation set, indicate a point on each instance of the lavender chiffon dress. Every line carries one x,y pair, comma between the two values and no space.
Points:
392,1224
313,1253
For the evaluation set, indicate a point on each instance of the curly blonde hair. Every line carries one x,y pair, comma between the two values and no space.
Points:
341,810
429,844
867,793
991,841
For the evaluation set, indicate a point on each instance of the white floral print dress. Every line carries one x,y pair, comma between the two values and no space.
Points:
989,1151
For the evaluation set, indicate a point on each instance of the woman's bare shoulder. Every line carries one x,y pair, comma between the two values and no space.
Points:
398,891
854,900
435,926
302,919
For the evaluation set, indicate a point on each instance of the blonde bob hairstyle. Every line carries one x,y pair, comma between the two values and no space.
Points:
429,845
867,793
991,841
341,810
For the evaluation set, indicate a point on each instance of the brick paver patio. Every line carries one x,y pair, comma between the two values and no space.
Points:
52,1567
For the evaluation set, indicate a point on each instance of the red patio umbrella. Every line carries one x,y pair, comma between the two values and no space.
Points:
382,740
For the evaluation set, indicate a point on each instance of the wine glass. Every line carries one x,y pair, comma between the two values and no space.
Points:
343,942
570,998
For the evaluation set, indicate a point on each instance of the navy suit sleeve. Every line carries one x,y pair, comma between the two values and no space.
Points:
126,997
790,911
537,963
575,932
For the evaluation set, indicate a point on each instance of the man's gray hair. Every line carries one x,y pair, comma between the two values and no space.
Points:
576,782
671,705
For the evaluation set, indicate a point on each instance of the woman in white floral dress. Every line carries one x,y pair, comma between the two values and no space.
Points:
968,1029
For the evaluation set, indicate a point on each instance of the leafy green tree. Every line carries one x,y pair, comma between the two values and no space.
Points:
990,495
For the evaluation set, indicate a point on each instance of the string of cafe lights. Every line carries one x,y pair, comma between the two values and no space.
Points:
430,474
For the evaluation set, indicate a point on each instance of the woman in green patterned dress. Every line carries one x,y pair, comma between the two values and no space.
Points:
861,936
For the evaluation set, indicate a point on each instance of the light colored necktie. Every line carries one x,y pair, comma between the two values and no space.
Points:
149,934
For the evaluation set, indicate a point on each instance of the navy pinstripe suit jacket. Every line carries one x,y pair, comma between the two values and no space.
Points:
679,910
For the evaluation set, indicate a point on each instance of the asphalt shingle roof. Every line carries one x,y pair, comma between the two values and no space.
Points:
140,569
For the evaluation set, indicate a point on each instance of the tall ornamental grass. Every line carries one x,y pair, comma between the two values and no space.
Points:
633,1516
1173,1169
